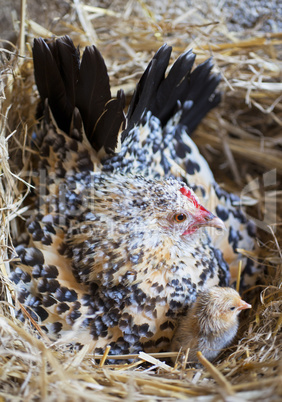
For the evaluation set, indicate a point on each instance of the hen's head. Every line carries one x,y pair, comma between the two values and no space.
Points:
136,225
163,208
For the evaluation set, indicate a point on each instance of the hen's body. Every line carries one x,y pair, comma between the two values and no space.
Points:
107,253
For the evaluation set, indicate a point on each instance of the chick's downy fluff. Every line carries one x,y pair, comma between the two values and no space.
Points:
116,246
210,324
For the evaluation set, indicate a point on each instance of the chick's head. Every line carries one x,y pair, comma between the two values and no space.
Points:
218,308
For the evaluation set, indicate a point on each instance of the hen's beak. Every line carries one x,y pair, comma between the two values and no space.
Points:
204,218
213,221
243,305
207,219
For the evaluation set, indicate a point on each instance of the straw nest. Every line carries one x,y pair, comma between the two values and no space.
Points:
241,140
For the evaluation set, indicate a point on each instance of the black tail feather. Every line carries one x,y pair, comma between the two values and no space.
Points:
50,82
201,105
111,122
92,90
173,88
68,63
84,87
148,85
161,95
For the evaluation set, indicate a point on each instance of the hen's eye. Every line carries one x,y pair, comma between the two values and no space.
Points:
232,308
179,218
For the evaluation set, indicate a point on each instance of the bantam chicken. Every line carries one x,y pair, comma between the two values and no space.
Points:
210,324
116,247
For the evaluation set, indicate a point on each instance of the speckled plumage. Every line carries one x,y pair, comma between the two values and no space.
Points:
103,255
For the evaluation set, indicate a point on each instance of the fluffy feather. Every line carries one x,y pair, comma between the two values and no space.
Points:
210,324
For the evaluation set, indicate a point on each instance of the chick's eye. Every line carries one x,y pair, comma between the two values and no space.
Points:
232,308
180,218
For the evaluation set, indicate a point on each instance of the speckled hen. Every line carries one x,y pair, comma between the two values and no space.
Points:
116,246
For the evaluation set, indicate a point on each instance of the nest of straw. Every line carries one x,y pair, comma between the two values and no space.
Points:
242,142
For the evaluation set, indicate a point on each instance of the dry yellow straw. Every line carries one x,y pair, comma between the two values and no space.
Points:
216,374
239,276
105,355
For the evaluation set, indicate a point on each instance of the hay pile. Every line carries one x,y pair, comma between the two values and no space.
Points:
241,140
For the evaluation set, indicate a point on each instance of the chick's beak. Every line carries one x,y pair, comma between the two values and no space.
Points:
243,305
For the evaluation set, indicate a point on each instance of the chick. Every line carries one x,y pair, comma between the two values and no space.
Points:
210,324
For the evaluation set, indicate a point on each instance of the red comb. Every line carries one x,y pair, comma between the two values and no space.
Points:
192,198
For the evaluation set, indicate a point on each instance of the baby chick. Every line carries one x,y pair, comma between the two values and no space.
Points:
210,324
